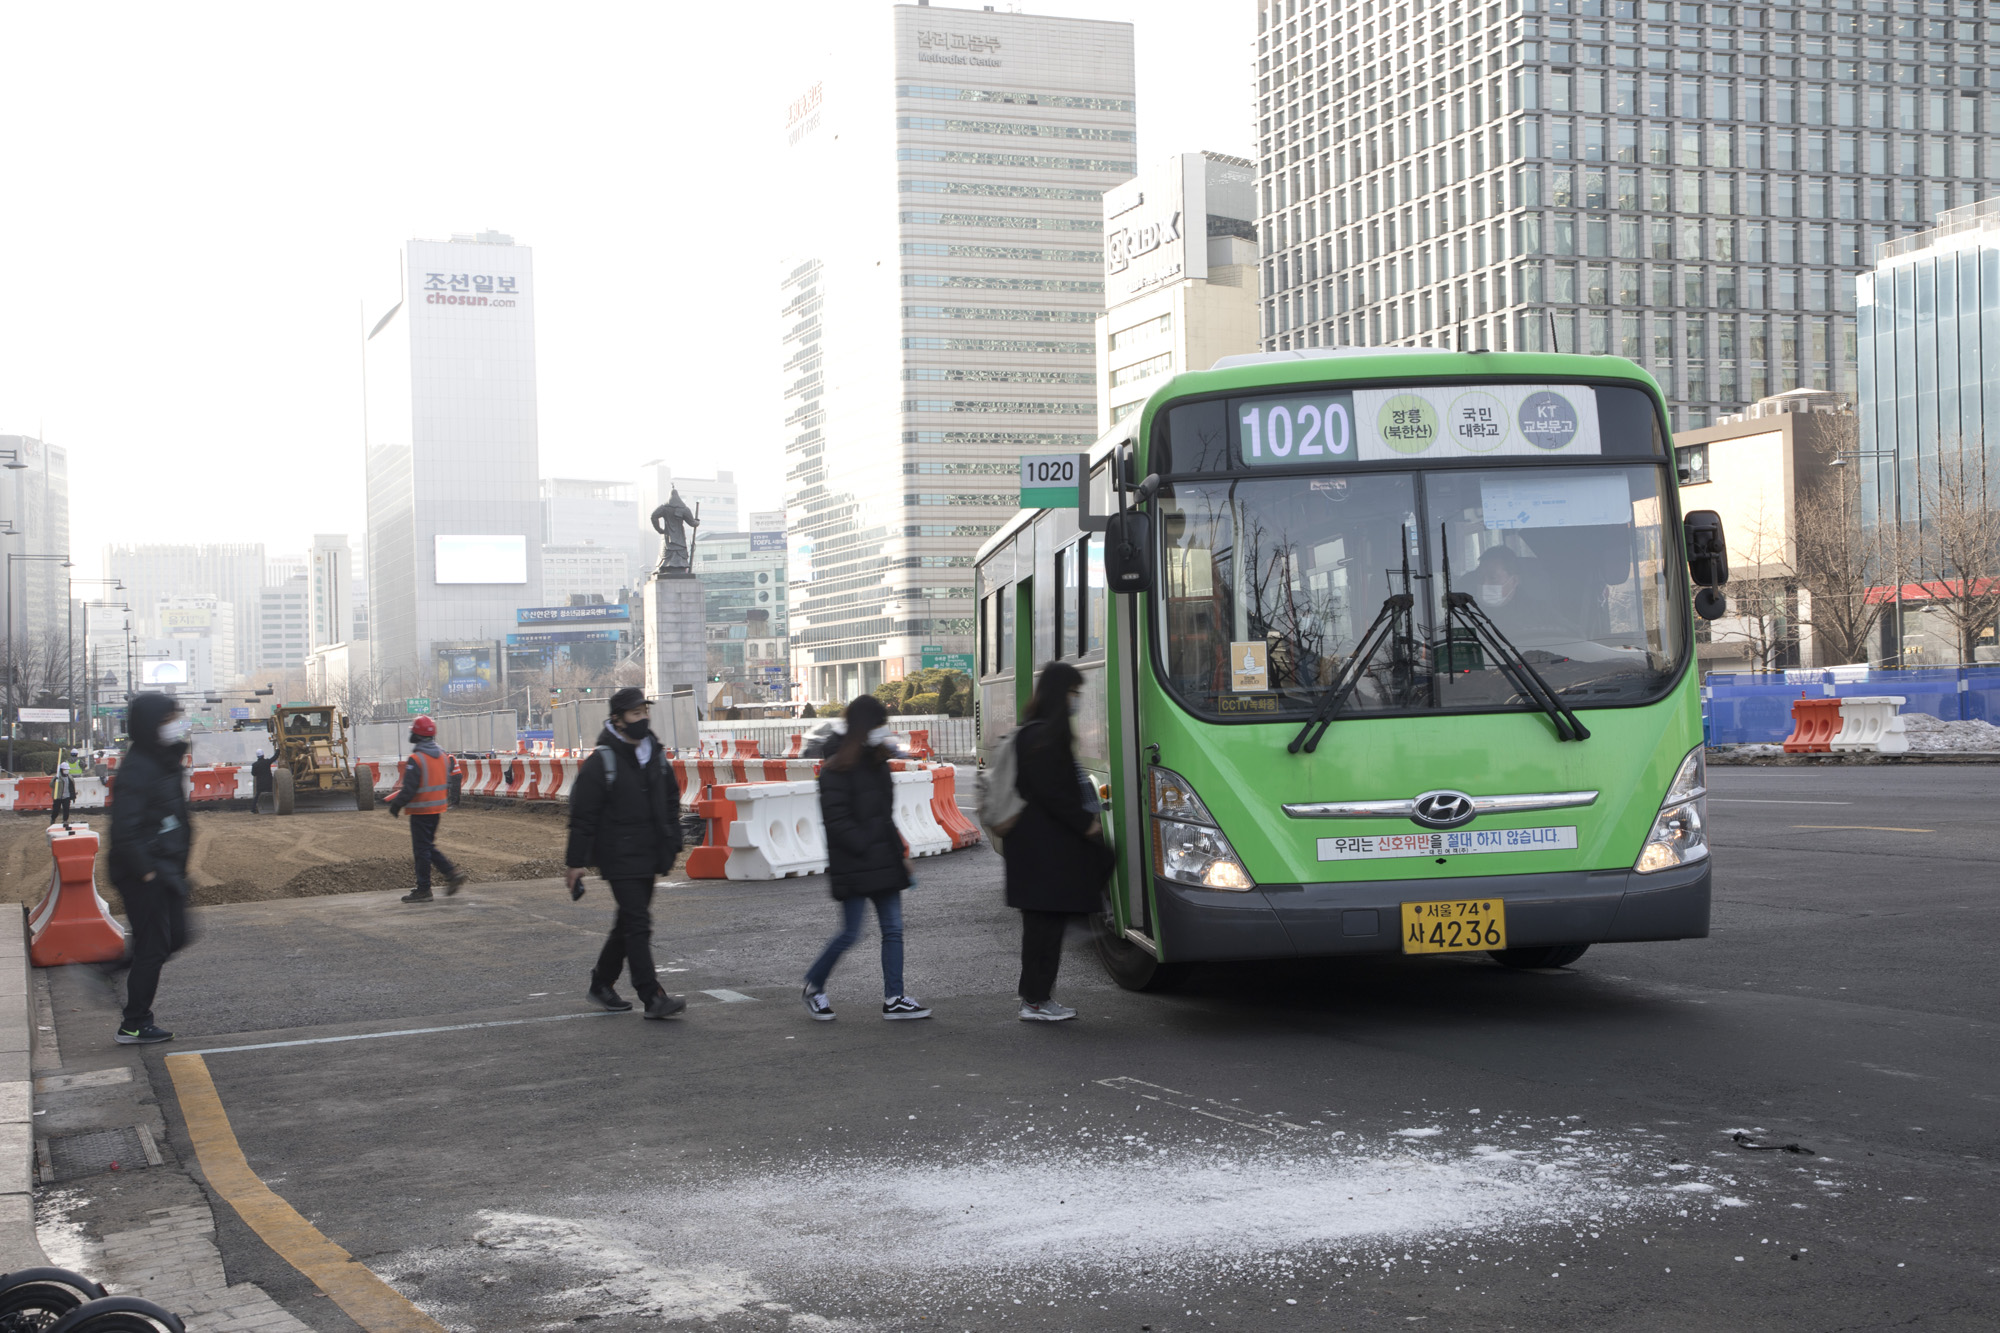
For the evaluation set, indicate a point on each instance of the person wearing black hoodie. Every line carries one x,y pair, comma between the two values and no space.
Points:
150,840
625,819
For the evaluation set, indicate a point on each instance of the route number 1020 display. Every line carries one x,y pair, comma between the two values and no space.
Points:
1276,431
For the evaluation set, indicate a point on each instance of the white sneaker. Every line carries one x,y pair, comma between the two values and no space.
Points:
905,1007
817,1004
1048,1011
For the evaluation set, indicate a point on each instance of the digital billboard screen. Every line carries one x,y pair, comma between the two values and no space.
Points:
165,673
481,558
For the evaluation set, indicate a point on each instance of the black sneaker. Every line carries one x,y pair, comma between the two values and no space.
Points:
607,998
142,1036
663,1005
817,1004
905,1007
417,896
454,882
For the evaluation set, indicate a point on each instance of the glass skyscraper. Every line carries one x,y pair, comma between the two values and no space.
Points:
1693,186
942,273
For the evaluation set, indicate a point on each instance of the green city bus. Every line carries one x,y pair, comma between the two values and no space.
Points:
1386,651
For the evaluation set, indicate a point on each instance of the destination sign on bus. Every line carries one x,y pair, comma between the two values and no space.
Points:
1417,422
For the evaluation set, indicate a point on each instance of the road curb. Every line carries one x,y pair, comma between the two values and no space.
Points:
18,1241
1721,757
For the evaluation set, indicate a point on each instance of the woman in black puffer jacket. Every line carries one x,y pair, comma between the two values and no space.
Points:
864,856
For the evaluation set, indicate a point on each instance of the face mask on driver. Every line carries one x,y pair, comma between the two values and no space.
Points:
1493,594
175,730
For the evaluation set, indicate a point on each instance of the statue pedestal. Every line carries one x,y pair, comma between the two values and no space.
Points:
676,648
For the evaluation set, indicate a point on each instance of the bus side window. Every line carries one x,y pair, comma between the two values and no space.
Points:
1007,599
1093,629
1064,608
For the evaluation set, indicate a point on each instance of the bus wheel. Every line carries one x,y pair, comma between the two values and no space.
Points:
1548,955
1132,967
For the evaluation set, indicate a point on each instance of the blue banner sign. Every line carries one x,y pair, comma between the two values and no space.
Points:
551,638
597,613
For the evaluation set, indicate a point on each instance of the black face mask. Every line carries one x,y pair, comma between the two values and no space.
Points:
637,731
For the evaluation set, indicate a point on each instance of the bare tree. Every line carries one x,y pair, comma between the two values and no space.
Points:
1839,561
1763,613
1959,544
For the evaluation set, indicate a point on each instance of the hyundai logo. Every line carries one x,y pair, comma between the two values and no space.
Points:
1442,809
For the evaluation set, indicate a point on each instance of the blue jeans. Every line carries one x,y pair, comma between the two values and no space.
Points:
889,916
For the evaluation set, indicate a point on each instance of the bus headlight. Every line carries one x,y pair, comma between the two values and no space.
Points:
1680,830
1187,846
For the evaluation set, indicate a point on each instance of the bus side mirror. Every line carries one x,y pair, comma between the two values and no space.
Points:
1708,560
1128,545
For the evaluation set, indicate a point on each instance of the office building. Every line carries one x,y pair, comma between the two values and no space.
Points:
283,568
284,613
36,487
715,495
766,520
1929,404
970,151
743,598
332,591
1691,186
585,573
603,514
1180,276
153,572
454,503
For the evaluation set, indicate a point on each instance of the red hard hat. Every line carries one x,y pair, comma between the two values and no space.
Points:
423,726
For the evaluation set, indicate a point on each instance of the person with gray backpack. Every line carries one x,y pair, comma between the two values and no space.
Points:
624,819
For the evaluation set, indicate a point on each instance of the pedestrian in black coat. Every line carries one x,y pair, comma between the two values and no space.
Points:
864,857
150,841
627,823
1056,858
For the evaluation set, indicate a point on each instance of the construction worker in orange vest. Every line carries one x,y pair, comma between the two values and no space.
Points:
424,791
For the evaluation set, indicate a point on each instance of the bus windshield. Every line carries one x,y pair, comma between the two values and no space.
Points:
1269,583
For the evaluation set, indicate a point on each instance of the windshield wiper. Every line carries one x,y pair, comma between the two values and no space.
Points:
1351,671
1516,668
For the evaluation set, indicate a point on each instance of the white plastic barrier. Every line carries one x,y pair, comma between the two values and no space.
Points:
1871,722
914,819
777,832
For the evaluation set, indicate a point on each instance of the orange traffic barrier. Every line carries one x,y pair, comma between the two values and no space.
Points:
212,784
1815,722
944,808
34,794
797,747
711,859
72,923
744,750
920,745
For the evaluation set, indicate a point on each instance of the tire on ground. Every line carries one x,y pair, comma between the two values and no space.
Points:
364,791
1545,955
1132,967
283,790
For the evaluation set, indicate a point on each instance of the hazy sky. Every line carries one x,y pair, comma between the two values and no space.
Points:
200,199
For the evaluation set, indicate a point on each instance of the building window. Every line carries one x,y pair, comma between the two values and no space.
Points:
1692,461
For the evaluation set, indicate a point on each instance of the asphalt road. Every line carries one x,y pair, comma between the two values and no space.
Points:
1304,1146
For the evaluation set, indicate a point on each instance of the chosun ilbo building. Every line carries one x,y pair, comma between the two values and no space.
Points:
939,284
1693,186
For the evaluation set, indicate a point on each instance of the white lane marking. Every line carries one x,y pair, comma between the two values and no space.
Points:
1752,800
730,996
1207,1106
91,1078
399,1032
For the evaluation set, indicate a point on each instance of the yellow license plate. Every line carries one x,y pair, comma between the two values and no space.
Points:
1455,927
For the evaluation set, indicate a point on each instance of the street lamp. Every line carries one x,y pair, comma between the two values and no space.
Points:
69,664
1896,490
13,720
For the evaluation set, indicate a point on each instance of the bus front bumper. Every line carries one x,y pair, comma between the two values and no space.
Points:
1364,916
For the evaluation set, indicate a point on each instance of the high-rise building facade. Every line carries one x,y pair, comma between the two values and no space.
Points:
454,505
284,615
332,590
716,495
1692,186
937,325
37,509
231,572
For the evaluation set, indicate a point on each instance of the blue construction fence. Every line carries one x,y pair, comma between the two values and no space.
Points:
1755,707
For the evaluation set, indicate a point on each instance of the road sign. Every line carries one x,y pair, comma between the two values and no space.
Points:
938,657
239,712
44,714
109,710
1051,481
417,707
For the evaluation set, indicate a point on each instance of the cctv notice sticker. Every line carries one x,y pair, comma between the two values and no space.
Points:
1476,420
1249,666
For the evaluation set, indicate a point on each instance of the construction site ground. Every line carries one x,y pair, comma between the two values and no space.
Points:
240,857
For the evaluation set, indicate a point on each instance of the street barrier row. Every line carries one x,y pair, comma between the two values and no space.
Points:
206,786
1754,708
1857,723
